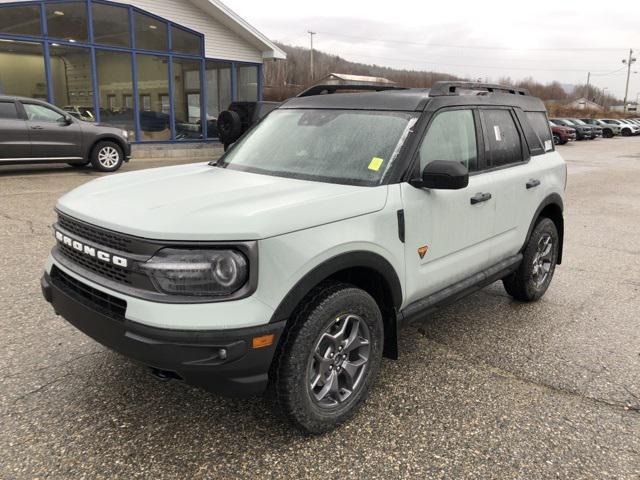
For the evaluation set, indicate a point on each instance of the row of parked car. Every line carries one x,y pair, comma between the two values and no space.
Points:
568,129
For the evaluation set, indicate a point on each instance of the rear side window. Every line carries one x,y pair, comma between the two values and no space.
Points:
540,125
502,140
8,110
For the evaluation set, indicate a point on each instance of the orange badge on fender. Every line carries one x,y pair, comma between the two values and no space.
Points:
422,251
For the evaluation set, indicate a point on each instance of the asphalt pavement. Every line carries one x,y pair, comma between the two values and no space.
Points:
488,388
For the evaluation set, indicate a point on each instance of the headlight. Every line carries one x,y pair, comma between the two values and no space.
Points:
197,272
125,134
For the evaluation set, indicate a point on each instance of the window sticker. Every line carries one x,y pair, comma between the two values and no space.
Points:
376,163
548,146
496,130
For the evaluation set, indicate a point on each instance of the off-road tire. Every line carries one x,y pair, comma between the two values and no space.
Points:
107,156
290,371
522,284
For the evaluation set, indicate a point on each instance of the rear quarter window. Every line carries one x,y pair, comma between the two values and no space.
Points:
502,139
8,111
540,125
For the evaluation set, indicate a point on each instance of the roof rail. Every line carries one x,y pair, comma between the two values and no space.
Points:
441,89
325,89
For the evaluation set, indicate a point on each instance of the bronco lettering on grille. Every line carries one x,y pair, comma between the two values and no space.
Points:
91,251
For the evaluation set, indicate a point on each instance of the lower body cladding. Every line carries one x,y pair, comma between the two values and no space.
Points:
230,362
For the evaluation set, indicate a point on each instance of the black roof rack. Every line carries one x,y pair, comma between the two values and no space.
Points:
325,89
441,89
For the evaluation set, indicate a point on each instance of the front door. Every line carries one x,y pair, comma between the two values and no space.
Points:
51,136
448,232
14,137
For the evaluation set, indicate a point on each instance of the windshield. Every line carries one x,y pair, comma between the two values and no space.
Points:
341,146
578,121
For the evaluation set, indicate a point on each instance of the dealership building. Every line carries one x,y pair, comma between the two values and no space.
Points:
161,69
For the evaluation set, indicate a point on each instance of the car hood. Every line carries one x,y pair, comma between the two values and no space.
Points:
202,202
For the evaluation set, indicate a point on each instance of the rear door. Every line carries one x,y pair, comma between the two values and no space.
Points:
14,136
448,235
51,136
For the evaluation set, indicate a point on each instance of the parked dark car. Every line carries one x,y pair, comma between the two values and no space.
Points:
562,134
33,131
583,132
596,131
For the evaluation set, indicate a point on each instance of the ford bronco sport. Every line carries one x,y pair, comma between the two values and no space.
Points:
289,265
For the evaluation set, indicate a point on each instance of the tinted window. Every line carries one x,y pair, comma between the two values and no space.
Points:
151,34
185,42
451,137
8,110
20,20
39,113
502,139
68,20
540,125
111,25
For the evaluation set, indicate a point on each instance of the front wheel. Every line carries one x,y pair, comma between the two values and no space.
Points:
531,280
107,157
329,358
556,140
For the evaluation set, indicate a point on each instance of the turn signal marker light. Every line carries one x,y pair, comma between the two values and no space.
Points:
262,341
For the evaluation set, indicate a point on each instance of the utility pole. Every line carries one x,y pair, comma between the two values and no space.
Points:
588,81
311,34
628,63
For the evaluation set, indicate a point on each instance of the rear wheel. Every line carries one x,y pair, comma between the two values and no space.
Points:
329,358
107,157
531,280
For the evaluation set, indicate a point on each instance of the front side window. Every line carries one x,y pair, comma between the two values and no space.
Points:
40,113
354,147
502,140
451,137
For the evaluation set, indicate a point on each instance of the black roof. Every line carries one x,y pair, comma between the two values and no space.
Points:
419,99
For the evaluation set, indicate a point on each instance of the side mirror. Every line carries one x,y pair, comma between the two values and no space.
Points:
67,120
443,175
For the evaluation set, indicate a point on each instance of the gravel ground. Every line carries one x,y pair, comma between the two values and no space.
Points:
488,388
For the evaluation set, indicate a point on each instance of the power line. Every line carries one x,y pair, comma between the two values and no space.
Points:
501,67
475,47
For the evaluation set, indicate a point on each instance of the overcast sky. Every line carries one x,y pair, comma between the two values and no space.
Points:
549,40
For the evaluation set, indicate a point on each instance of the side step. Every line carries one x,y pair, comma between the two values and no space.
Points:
417,311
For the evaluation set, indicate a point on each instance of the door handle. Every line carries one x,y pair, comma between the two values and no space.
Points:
480,197
37,127
533,183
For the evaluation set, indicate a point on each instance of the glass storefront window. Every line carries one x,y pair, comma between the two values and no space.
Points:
185,42
111,25
151,34
115,89
68,21
247,83
218,85
153,86
18,20
72,81
22,69
186,99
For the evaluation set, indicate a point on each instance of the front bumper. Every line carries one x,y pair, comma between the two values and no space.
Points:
221,361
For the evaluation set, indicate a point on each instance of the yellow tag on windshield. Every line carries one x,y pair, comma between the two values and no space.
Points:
376,163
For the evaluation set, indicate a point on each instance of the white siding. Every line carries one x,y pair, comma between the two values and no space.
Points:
220,41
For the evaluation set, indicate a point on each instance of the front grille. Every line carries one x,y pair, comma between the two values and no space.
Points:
97,235
97,266
94,299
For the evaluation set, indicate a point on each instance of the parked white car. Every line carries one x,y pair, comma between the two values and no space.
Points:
290,263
